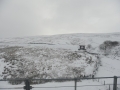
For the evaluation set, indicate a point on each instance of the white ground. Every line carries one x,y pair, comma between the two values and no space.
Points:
110,66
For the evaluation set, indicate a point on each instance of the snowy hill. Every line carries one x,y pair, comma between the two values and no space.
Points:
57,56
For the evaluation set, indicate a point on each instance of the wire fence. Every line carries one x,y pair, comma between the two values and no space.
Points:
27,86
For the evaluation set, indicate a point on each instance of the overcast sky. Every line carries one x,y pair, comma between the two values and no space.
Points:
49,17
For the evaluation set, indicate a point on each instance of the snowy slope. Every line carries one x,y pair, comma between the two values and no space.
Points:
58,56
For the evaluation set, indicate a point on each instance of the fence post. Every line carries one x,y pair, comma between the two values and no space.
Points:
104,82
75,84
115,83
109,87
27,85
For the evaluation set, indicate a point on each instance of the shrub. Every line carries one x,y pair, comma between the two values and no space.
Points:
108,45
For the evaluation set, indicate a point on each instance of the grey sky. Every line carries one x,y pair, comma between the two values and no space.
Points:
48,17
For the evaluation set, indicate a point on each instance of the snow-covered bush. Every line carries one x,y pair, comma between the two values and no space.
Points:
107,46
45,63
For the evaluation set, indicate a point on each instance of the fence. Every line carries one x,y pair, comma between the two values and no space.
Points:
27,85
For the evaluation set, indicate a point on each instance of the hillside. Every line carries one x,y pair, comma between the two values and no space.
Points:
58,56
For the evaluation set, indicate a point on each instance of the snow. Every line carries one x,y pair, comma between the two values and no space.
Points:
2,65
84,85
48,52
109,68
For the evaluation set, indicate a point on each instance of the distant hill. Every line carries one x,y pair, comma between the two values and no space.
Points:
56,56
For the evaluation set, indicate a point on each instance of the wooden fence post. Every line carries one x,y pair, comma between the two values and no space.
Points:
109,87
75,84
115,83
104,82
27,85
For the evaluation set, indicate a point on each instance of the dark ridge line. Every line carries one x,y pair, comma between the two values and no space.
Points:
42,43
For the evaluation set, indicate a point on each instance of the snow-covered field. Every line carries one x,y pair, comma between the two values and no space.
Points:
58,56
